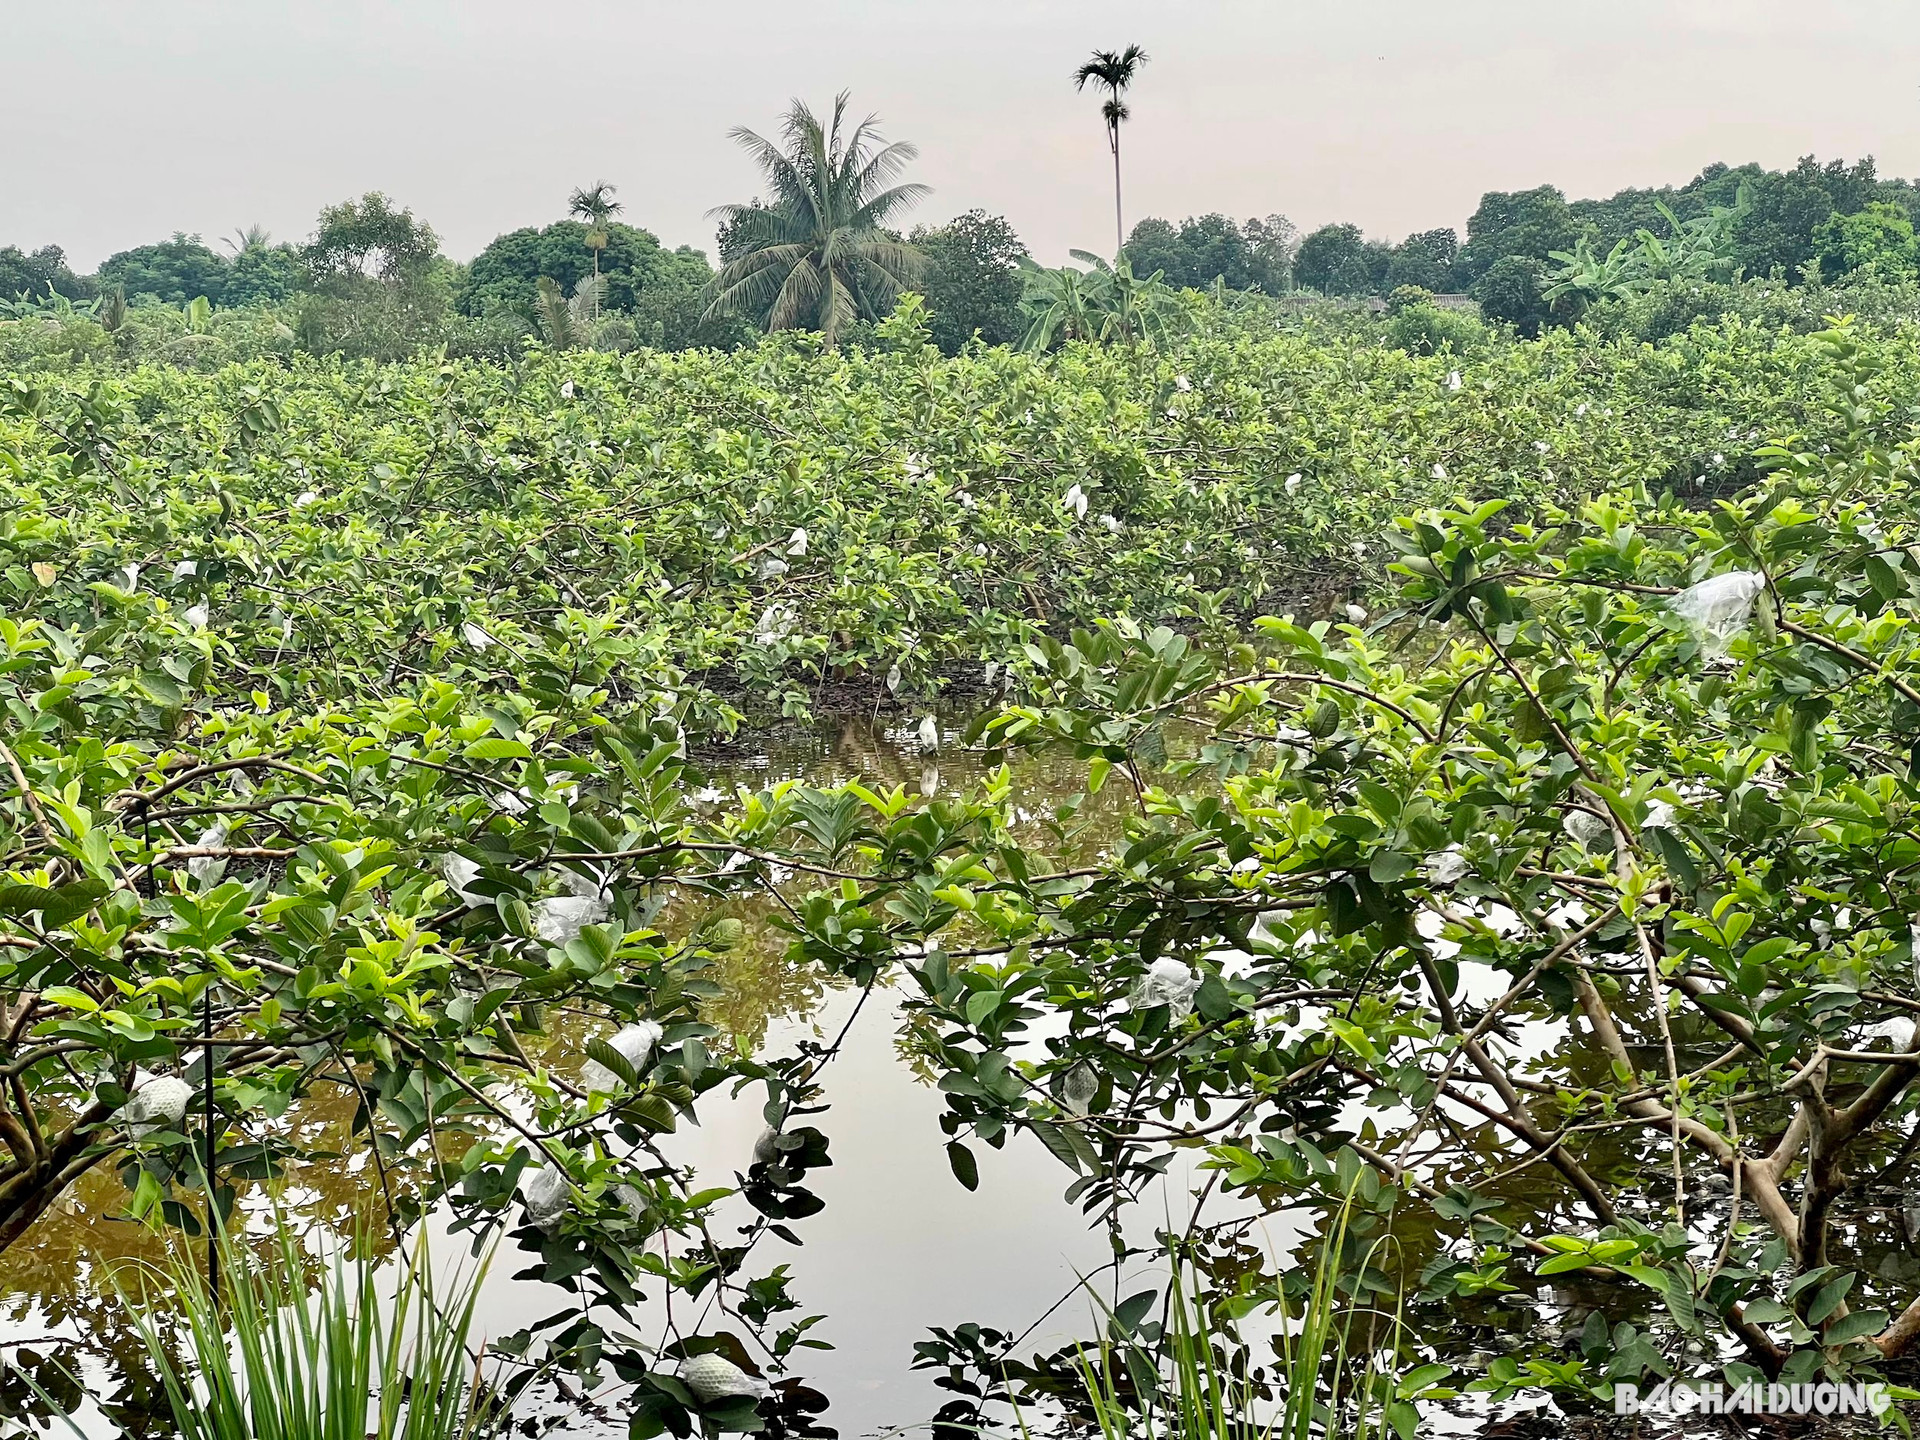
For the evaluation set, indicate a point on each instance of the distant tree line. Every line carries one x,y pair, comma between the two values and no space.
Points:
1811,223
824,253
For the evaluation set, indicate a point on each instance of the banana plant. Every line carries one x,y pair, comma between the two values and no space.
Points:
1106,303
1587,277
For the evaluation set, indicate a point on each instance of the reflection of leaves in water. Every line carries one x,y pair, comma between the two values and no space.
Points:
759,985
60,1282
914,1046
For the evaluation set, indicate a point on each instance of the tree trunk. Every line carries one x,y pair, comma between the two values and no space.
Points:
1119,230
29,1193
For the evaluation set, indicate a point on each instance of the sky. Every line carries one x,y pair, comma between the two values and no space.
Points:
129,121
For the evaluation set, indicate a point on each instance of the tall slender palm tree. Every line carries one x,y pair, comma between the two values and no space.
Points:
1115,72
596,206
819,255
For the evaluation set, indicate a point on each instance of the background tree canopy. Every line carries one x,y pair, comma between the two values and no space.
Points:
503,276
1206,248
1338,260
371,280
174,271
973,282
44,271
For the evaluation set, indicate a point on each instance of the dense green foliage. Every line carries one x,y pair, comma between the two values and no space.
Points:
1203,249
349,711
1570,907
173,272
632,264
370,283
946,504
973,282
42,273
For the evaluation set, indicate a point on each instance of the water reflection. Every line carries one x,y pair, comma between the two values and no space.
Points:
900,1246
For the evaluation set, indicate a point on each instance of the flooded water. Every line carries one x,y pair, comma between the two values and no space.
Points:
900,1246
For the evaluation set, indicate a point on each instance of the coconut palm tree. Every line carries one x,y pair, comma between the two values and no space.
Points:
566,324
819,255
1115,72
251,237
596,206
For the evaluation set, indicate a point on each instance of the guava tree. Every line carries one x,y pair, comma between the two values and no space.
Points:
1561,919
239,869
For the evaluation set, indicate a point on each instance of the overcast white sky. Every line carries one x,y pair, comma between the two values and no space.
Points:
126,121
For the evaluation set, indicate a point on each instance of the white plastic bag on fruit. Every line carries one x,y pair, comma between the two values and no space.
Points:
460,873
1079,1088
633,1043
1718,608
544,1191
1264,930
713,1377
206,869
1449,867
1168,983
766,1149
157,1103
560,920
1588,830
775,624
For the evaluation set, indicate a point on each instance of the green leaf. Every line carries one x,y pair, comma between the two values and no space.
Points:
1213,1000
965,1170
1829,1296
600,1050
983,1004
495,748
71,901
1055,1139
23,899
1559,1264
1679,861
1389,866
1857,1325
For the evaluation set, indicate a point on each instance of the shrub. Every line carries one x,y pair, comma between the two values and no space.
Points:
1513,291
1422,328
